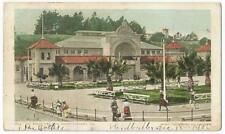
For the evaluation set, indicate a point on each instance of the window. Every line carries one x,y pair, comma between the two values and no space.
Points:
79,51
24,70
42,55
85,51
153,52
148,51
158,52
29,53
72,51
65,51
57,51
49,56
142,51
41,71
17,68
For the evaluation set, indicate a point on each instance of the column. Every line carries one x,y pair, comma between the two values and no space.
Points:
71,73
85,74
137,67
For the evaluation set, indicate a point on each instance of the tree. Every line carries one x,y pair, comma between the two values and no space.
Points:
188,63
155,71
105,67
94,69
120,67
41,76
207,70
59,71
203,41
50,22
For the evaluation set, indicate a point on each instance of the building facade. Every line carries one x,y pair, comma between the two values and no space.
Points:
75,52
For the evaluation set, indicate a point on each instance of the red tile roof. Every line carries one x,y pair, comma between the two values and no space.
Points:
76,59
22,58
157,58
174,45
204,48
43,43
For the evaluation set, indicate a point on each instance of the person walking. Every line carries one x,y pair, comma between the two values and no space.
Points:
192,100
33,100
162,102
126,110
114,108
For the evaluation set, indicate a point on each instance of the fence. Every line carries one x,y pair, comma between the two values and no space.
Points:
101,115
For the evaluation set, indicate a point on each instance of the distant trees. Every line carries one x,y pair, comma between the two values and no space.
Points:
66,24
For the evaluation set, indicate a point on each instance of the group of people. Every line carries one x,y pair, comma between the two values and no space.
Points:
116,113
63,109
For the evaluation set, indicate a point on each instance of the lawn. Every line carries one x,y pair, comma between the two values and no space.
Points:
174,96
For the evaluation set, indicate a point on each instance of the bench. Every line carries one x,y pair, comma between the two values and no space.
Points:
136,87
202,96
137,97
185,83
105,93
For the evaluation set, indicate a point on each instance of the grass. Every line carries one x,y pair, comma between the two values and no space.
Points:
174,96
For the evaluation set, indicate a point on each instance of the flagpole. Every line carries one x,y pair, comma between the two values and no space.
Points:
42,26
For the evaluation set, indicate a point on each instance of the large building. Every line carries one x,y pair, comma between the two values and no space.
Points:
75,52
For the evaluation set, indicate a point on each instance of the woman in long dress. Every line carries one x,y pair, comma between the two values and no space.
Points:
126,108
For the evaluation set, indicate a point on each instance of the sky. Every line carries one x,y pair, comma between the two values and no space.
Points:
184,21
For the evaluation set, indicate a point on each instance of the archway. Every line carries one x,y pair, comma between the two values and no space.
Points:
125,51
78,74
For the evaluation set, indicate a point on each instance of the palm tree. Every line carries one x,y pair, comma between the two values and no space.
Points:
105,66
207,70
60,71
188,63
155,71
120,67
93,67
41,76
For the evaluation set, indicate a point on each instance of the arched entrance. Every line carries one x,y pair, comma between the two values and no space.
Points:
78,74
125,50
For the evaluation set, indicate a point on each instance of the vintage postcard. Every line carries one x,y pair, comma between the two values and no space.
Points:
112,66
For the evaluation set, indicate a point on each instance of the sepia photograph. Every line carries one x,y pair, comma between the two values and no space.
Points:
112,66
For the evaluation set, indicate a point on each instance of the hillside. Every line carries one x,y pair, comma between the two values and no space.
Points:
23,41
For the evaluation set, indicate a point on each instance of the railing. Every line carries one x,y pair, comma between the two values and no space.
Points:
100,115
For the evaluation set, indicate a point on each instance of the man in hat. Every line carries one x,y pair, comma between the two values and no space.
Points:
162,102
114,108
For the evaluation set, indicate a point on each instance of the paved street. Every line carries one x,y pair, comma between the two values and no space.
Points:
86,103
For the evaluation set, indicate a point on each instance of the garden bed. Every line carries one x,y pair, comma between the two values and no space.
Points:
174,96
